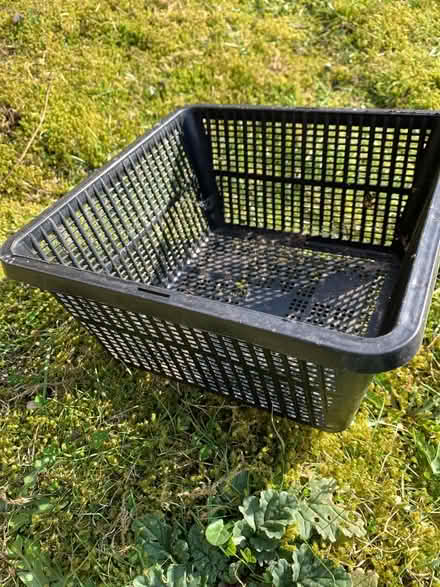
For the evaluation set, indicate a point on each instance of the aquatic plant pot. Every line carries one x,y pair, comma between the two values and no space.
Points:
279,257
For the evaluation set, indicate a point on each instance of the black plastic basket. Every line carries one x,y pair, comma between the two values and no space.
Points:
277,256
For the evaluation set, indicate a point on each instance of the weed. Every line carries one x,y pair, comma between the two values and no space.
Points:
258,546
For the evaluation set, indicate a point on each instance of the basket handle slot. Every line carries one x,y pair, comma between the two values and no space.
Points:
154,292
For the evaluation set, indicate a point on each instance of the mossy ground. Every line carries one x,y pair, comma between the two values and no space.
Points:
118,443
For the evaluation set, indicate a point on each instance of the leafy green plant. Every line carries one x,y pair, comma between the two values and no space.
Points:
165,548
252,547
306,570
429,451
317,511
28,503
34,567
47,460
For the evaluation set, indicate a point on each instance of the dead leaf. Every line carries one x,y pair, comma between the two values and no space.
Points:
360,578
18,501
9,118
17,18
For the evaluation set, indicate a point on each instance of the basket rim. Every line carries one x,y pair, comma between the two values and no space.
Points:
310,342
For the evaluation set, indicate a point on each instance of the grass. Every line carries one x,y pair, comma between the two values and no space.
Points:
86,446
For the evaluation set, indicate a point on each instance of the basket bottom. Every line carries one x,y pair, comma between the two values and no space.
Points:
346,288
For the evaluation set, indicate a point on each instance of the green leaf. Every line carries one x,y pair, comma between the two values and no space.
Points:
98,438
43,505
247,555
281,573
264,548
434,463
216,533
250,510
158,541
181,551
275,528
181,576
271,513
176,576
310,571
208,561
317,511
265,519
17,521
205,453
230,549
30,579
154,536
278,506
241,532
262,543
33,566
240,484
429,451
265,557
154,578
264,522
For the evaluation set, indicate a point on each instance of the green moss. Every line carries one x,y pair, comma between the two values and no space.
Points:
125,442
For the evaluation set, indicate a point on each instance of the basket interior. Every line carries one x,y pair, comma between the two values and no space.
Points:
311,204
342,289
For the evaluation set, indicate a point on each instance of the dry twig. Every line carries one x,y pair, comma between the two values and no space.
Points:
35,133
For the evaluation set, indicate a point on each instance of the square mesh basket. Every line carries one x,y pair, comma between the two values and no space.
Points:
279,257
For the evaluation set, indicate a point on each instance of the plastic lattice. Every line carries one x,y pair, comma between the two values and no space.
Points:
288,277
300,390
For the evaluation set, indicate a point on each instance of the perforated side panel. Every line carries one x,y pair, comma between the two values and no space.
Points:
316,173
139,223
300,390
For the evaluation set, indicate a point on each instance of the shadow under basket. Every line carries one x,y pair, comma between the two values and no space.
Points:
279,257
